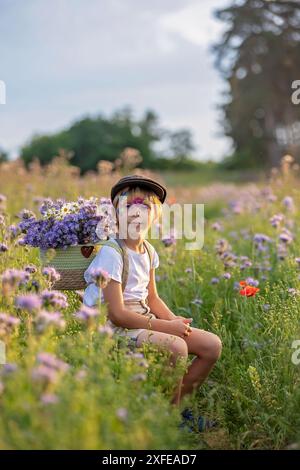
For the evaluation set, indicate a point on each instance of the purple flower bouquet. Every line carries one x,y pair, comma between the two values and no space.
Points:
68,235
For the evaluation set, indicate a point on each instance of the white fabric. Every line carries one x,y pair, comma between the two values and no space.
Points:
111,261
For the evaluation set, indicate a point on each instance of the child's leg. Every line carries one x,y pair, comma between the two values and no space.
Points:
176,345
207,347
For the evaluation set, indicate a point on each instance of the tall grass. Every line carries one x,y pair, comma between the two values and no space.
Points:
110,397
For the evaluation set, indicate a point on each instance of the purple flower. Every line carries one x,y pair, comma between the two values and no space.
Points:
233,234
86,313
29,302
197,301
3,248
51,274
7,324
159,278
288,202
276,220
9,368
252,282
55,299
282,251
293,291
81,374
122,414
138,377
44,374
246,262
226,275
135,355
52,362
106,330
30,268
100,277
13,231
46,319
236,207
261,238
12,278
64,224
216,226
49,399
215,280
26,214
245,233
222,245
169,241
286,237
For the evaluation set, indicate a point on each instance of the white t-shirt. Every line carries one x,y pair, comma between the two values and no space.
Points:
111,261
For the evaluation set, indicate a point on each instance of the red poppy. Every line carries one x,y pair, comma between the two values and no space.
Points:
243,283
249,291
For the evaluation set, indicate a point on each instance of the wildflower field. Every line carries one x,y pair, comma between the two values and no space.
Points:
69,384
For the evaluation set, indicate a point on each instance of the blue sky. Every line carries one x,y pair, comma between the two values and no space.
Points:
64,59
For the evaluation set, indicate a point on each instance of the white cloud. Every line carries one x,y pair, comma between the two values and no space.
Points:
194,23
63,59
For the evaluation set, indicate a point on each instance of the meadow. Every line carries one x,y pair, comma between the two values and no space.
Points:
69,384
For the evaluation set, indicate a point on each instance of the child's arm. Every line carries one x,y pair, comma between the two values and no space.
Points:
156,304
127,318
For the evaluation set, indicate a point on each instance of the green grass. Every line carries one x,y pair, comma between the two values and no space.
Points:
108,399
208,175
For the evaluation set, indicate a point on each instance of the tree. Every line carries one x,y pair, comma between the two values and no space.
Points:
3,156
181,144
259,57
99,138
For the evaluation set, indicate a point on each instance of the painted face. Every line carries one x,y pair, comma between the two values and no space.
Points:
135,214
139,201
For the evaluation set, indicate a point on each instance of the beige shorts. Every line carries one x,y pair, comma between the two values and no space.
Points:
139,306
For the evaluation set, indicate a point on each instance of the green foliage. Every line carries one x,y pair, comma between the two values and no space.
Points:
259,57
100,138
3,156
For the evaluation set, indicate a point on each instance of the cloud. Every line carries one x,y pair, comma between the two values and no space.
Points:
193,22
63,59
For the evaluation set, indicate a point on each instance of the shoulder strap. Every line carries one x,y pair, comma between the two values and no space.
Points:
120,247
150,250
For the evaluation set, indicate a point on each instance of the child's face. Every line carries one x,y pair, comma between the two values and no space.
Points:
136,216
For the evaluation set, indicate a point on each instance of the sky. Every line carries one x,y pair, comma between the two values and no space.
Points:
65,59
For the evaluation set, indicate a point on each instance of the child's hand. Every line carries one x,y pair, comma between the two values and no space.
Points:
186,320
180,326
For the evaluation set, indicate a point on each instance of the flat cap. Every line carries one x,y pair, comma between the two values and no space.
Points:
142,182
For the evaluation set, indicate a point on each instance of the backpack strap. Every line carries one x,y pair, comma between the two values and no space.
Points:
120,248
150,250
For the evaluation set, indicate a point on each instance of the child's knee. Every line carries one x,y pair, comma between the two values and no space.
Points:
179,348
214,348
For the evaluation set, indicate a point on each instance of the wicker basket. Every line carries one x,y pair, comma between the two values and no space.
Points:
71,264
